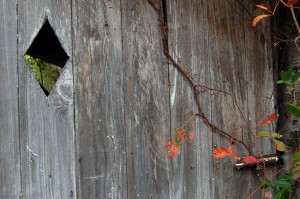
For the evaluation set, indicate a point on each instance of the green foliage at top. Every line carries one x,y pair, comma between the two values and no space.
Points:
45,73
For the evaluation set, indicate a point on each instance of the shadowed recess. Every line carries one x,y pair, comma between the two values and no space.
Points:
46,58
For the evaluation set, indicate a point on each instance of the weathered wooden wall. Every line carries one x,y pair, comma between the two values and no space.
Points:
10,181
101,132
47,144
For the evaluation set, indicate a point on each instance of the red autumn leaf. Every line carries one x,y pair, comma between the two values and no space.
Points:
264,7
237,158
268,120
292,2
173,151
170,143
173,148
259,18
221,152
229,151
250,159
191,136
180,134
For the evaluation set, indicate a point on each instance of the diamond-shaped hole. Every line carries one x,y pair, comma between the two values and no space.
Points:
46,58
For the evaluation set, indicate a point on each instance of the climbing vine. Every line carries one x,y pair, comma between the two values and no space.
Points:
284,183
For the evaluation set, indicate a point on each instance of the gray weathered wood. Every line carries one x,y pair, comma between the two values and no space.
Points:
219,49
99,99
146,94
46,123
192,169
10,180
104,136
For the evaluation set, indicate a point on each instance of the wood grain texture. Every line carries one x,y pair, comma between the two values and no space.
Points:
99,99
217,46
146,94
10,180
192,169
104,136
46,123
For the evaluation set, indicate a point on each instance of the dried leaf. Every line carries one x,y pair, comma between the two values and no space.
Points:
191,136
264,7
173,147
268,120
237,158
229,151
292,2
221,152
259,18
250,159
180,134
289,5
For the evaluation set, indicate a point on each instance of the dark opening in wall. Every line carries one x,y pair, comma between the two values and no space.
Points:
46,58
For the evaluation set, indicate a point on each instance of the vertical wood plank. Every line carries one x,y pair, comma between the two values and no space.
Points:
46,123
10,180
243,68
146,94
192,169
99,99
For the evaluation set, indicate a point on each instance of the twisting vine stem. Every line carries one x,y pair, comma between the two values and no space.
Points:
188,77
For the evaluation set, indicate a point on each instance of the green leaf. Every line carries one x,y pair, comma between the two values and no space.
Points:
284,193
280,82
283,76
289,178
289,74
276,135
296,156
290,87
282,183
280,146
294,110
276,191
263,134
296,77
267,183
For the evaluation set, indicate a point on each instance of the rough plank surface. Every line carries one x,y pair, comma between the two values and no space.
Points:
129,99
10,180
146,94
99,99
192,169
46,123
220,49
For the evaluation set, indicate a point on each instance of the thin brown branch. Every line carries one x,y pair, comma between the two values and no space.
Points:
295,21
189,78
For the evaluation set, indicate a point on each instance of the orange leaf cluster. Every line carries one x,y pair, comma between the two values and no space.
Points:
174,143
289,4
173,147
221,152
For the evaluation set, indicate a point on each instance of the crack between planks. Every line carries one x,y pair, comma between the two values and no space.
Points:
18,93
